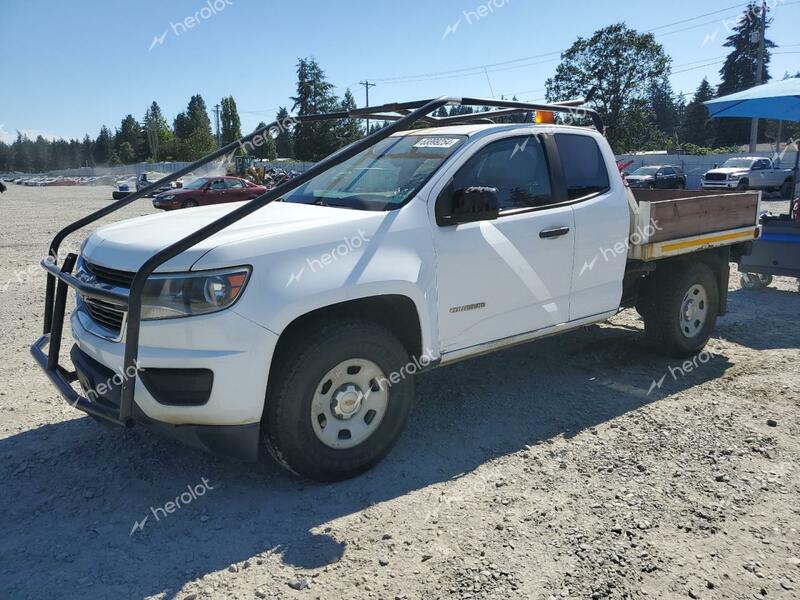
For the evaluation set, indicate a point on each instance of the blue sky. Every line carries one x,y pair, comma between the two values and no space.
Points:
69,67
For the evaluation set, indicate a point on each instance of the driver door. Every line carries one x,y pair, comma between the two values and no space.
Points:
511,275
216,192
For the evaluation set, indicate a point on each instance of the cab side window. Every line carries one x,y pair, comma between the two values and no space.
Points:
584,168
516,167
218,184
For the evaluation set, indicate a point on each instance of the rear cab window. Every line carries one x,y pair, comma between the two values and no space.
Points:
583,165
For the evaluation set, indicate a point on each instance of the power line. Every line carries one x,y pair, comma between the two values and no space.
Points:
695,18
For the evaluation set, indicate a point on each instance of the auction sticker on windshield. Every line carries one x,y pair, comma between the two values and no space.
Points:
436,142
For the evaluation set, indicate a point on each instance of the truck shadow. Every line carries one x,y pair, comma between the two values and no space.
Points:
75,490
757,318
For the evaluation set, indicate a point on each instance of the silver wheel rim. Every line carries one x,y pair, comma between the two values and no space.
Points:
694,310
349,403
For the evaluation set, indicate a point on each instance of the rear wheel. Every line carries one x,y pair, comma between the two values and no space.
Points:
680,308
340,398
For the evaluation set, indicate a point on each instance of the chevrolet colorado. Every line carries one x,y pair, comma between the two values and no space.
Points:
297,330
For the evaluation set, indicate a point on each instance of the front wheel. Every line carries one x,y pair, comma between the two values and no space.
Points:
786,190
340,398
680,308
741,186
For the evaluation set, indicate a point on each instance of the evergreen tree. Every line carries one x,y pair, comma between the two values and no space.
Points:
193,131
739,70
662,101
266,149
348,130
313,141
231,125
6,160
697,128
40,156
21,153
284,145
87,152
103,146
156,131
129,133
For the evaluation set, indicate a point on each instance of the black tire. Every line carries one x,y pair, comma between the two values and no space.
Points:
751,281
663,302
651,186
189,203
287,431
786,189
681,185
742,186
117,195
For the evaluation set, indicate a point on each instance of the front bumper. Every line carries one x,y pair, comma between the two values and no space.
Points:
234,349
719,185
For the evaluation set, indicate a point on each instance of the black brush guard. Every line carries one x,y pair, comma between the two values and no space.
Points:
59,278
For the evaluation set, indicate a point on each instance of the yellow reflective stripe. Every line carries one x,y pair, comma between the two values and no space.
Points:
707,240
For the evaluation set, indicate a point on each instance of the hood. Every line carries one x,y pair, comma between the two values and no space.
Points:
128,244
728,170
639,177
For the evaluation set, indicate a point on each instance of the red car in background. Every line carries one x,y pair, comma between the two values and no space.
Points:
208,190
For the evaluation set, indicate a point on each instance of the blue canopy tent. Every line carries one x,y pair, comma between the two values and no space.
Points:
779,100
776,251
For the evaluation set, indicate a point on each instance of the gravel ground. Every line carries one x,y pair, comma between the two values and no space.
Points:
553,470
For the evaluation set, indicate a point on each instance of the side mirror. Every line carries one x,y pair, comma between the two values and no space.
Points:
467,205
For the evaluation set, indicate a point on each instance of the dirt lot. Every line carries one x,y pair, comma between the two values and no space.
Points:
554,470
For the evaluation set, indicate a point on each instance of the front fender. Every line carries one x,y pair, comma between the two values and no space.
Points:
391,254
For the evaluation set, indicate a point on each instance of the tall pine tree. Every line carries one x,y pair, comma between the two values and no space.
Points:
348,130
230,124
739,70
697,128
284,145
313,141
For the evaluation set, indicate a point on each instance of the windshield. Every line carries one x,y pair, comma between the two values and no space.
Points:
739,163
196,184
645,171
381,177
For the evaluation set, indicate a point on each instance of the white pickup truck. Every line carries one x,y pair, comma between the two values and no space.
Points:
297,330
749,173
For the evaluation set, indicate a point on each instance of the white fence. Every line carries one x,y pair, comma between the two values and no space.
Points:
695,165
163,167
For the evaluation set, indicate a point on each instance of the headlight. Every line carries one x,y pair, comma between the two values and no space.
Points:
167,197
187,294
733,176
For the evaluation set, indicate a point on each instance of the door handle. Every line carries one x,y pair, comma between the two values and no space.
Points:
551,233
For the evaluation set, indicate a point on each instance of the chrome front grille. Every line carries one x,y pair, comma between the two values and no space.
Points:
109,315
715,177
110,276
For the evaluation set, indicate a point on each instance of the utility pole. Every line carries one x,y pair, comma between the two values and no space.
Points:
216,115
367,85
762,31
